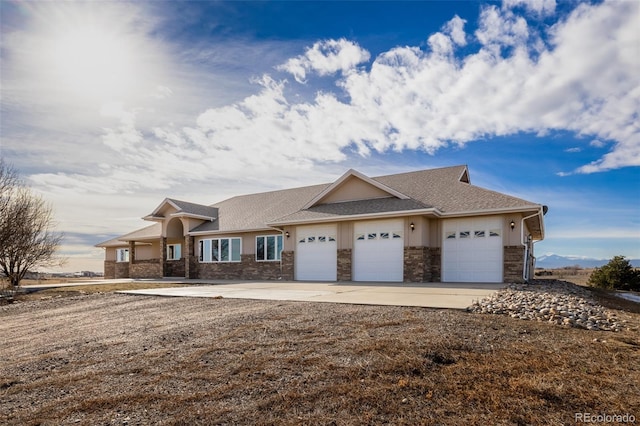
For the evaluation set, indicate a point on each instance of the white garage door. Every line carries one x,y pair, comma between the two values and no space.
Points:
378,250
316,253
472,250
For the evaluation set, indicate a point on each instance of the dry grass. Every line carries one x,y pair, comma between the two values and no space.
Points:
70,291
578,276
118,359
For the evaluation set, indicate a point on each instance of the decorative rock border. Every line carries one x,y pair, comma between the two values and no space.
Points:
557,302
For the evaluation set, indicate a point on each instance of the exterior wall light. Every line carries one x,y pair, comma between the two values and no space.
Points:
286,234
512,225
412,226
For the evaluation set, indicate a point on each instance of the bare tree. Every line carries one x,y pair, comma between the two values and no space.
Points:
27,240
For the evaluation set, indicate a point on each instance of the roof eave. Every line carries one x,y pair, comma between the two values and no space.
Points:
140,239
230,231
484,212
399,213
120,243
193,216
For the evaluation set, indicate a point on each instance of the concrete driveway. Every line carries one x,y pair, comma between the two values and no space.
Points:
431,295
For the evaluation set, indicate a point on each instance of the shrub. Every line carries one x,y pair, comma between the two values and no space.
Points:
617,274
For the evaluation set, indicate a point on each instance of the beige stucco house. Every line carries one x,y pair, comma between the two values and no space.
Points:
423,226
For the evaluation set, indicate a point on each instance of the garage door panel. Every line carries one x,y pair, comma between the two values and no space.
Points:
472,250
378,252
316,253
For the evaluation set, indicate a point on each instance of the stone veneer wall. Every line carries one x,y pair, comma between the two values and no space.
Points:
344,265
422,264
109,269
193,267
174,268
148,268
288,265
121,270
435,259
513,263
189,256
416,264
246,269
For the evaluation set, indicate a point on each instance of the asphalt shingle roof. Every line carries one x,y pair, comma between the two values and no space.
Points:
443,189
194,209
146,233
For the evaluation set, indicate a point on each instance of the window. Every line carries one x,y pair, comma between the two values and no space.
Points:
311,239
360,237
122,255
479,234
465,234
269,247
384,235
494,233
220,250
451,235
174,252
372,236
322,239
397,235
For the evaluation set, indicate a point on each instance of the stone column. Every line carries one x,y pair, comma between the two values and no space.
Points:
163,255
415,264
286,264
132,252
344,265
189,257
513,263
435,259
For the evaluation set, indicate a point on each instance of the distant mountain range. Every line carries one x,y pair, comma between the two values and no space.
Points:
551,261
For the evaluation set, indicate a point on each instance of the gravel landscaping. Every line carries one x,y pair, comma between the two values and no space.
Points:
558,302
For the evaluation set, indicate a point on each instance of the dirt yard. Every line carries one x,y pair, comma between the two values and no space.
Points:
108,358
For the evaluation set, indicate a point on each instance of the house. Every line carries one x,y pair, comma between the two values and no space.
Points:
423,226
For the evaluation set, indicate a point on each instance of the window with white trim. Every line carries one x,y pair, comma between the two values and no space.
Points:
220,250
269,247
122,255
174,251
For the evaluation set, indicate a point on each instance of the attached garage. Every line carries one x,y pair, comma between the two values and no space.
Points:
472,250
378,250
316,253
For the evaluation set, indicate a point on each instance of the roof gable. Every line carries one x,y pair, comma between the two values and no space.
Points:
354,186
177,208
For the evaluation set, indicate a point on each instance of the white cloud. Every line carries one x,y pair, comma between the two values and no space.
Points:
409,98
501,27
597,143
325,58
573,150
540,7
455,29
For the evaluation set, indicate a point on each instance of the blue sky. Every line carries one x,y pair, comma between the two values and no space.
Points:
109,107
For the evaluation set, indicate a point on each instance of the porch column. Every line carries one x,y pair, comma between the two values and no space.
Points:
189,260
163,255
132,253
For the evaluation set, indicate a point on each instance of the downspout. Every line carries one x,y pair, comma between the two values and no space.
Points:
526,246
